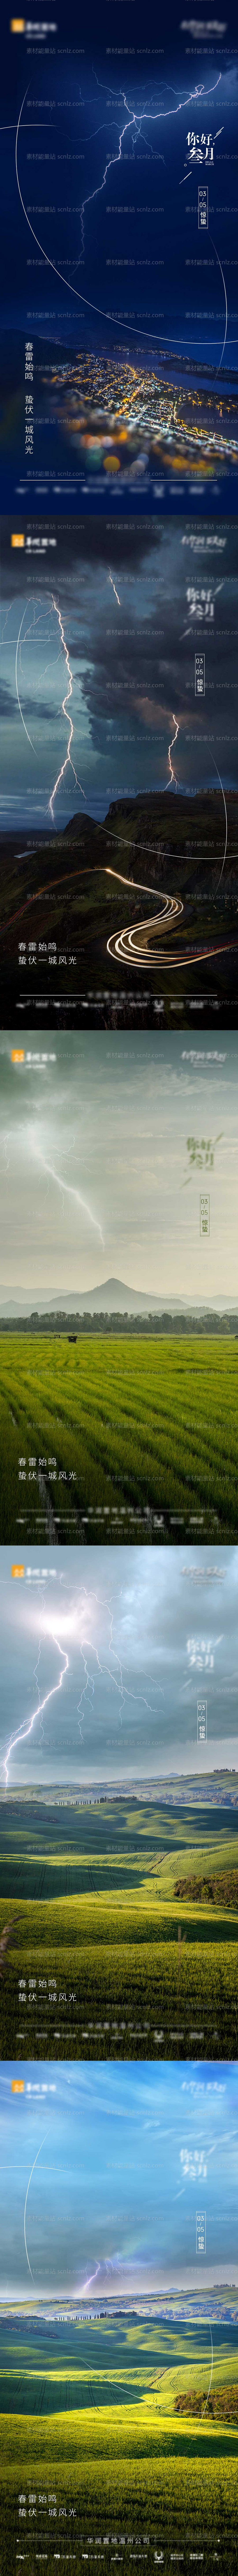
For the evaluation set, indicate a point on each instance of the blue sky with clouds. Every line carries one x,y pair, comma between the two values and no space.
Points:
106,2168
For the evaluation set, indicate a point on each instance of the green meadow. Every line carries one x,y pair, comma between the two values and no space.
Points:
137,1428
91,2432
141,1969
134,2371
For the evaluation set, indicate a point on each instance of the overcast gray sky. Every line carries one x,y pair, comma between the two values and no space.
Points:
122,600
105,1652
106,1147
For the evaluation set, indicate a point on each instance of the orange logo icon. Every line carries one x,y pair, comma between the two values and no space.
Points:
18,1054
18,1569
17,2085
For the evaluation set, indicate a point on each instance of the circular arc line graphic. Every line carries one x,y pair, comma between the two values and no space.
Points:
42,2142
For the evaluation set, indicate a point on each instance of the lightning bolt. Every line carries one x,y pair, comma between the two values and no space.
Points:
172,774
90,2276
137,121
116,593
23,1731
103,1669
72,1193
68,695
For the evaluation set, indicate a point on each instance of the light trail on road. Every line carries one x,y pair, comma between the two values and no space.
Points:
134,945
122,944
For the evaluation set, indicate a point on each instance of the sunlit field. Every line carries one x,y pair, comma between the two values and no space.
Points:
96,2452
143,1946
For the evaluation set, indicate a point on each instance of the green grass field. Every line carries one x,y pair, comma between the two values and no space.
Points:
137,1429
135,2001
143,2510
97,2443
139,1972
126,1849
128,2370
104,2434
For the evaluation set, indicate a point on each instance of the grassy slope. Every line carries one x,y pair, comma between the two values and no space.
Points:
124,1954
96,1919
99,2434
143,2346
172,2478
146,2459
156,2393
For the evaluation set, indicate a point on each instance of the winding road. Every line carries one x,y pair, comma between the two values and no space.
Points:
139,944
120,944
135,946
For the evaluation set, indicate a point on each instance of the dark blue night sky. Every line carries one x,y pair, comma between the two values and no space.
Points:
104,254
